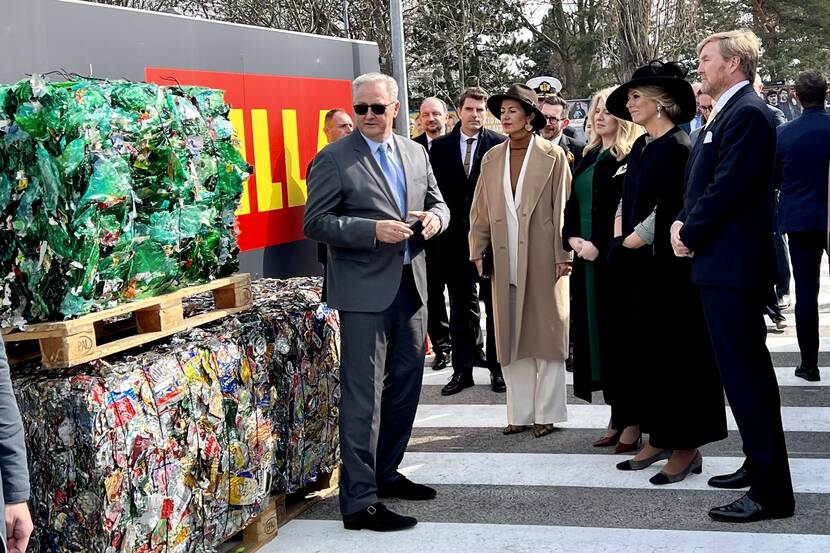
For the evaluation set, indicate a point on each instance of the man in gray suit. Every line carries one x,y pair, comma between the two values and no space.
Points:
373,200
14,471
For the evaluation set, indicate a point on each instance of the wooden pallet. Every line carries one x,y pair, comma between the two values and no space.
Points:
69,343
283,508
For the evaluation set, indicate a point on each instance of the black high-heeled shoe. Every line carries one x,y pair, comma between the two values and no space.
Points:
695,466
607,441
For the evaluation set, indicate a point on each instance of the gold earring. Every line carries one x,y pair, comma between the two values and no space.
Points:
528,127
659,112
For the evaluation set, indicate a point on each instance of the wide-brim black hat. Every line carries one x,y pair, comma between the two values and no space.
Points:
525,96
670,77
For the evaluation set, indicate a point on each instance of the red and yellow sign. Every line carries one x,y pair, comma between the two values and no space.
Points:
279,122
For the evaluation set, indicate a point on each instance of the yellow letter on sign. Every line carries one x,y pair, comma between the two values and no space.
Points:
268,194
297,191
237,117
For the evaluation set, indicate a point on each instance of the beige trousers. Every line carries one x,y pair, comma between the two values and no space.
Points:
536,388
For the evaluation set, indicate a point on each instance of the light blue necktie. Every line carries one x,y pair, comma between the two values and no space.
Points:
394,176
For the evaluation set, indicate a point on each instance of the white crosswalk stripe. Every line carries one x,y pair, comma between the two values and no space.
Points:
318,536
582,470
804,419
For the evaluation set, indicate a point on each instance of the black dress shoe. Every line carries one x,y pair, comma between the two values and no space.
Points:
403,488
747,510
809,374
378,518
738,479
441,361
497,383
456,384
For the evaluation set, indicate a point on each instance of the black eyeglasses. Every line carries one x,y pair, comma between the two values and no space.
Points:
377,109
553,119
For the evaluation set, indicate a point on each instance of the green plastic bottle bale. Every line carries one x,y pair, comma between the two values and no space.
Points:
114,191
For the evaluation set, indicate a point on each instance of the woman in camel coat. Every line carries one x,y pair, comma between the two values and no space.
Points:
518,211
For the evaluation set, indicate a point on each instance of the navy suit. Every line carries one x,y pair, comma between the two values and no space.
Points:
457,270
727,222
803,156
438,323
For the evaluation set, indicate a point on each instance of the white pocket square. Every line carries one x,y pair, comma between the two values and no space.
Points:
621,170
708,137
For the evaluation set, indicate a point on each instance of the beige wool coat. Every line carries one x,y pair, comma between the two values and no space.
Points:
542,300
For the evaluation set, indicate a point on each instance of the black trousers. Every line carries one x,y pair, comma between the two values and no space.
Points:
438,323
465,317
738,333
806,249
381,372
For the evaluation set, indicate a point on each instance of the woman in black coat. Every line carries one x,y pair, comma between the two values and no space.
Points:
675,390
588,229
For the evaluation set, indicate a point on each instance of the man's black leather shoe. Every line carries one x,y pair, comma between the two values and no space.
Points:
747,510
456,384
378,518
441,361
497,383
403,488
738,479
809,374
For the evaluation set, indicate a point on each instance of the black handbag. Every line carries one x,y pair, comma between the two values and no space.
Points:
487,262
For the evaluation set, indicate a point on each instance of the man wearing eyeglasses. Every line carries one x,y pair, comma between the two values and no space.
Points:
704,108
373,200
555,109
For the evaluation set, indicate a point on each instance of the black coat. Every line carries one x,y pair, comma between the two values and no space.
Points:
573,147
422,140
457,188
728,203
607,191
668,365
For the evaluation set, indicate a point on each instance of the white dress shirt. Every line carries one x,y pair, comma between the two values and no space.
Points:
726,96
464,138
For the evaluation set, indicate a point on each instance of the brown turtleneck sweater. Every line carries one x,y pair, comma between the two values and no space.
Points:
518,149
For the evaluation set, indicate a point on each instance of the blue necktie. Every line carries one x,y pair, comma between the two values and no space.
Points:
394,176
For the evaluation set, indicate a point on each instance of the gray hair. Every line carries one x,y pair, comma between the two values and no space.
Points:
366,78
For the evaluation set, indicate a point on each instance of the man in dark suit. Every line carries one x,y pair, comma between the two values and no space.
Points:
726,227
372,199
803,157
432,116
456,161
555,109
788,105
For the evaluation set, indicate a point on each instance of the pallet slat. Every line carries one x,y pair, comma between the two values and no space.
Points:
282,509
69,343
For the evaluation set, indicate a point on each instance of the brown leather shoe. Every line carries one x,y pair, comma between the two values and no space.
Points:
514,429
540,430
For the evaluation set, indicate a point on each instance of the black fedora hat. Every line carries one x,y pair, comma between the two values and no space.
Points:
669,76
525,96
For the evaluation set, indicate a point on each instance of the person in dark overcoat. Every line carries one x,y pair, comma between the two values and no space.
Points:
675,384
726,226
588,230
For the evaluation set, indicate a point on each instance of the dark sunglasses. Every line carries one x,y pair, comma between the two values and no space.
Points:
377,109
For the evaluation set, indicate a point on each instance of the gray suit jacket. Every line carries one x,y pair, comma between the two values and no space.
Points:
14,472
347,195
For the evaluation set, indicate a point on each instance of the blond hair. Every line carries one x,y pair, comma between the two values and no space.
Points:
664,100
742,44
627,132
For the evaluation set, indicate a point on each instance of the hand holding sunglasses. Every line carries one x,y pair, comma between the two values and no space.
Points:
377,109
